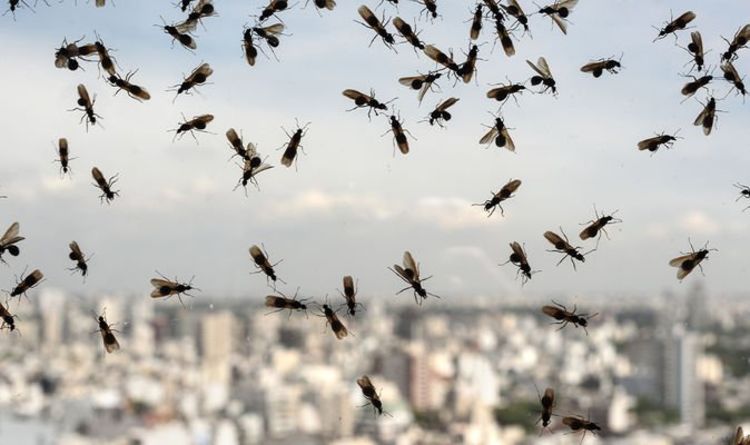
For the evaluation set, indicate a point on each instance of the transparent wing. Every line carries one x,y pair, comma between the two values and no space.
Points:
447,103
489,136
554,238
11,233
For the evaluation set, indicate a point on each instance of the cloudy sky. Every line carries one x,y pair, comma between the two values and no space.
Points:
353,207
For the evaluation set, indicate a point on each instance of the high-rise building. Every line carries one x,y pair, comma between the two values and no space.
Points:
216,346
683,390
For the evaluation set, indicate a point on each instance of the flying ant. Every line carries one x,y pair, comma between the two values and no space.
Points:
281,303
338,328
196,78
164,287
185,39
105,60
548,403
294,144
519,259
544,76
652,144
695,49
324,4
252,165
559,12
373,398
577,424
707,117
67,54
440,113
429,8
362,100
197,123
563,246
399,134
467,69
260,257
504,37
81,261
505,193
408,33
744,193
8,319
505,91
697,83
597,67
565,317
596,227
410,274
86,105
423,83
687,262
741,37
441,58
136,92
272,8
675,25
372,22
8,241
514,10
108,338
350,295
732,76
270,35
476,22
740,438
105,185
203,9
26,283
498,133
63,156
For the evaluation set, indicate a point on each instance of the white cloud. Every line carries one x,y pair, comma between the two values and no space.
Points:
697,222
448,213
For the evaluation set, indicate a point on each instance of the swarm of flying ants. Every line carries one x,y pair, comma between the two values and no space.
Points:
507,23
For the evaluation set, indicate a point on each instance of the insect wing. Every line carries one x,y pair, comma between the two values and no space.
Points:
161,284
11,235
447,103
366,385
685,18
99,177
518,251
489,136
367,14
276,28
84,95
258,256
411,265
649,143
554,312
357,96
511,186
554,238
76,250
109,340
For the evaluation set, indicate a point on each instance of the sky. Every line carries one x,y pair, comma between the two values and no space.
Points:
351,207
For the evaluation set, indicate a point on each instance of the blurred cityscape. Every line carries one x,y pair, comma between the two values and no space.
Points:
670,369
